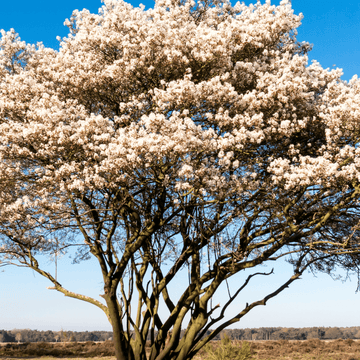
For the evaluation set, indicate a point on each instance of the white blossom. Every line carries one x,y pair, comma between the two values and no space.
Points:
123,103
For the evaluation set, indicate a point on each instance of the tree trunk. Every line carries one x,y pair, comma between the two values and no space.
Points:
122,348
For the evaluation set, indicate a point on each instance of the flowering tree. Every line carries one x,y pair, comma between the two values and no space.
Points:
193,133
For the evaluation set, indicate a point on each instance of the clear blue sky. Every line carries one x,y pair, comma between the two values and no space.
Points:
334,29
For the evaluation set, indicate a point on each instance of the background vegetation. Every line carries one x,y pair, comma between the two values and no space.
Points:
266,333
217,350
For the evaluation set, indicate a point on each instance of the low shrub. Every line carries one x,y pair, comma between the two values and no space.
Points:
349,342
226,351
314,343
88,349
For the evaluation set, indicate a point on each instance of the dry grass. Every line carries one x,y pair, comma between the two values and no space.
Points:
72,350
314,349
261,350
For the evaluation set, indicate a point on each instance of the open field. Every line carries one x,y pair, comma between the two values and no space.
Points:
261,350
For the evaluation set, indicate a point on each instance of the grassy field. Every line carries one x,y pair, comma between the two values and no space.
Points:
260,350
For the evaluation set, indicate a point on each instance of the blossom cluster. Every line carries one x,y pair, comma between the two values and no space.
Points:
217,104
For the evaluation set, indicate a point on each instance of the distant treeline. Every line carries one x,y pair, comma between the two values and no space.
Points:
268,333
27,335
280,333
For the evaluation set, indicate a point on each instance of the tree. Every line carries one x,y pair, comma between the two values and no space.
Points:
18,337
190,133
333,333
64,336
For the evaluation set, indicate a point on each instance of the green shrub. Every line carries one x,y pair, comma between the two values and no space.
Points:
227,351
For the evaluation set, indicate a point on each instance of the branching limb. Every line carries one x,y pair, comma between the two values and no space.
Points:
298,271
232,298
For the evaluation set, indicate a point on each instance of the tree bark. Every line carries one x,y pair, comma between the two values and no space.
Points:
122,350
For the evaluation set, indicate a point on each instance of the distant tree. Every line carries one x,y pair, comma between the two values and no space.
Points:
94,337
301,335
248,334
2,336
48,335
189,137
33,335
18,337
277,335
312,334
9,337
237,334
333,333
64,336
321,332
263,333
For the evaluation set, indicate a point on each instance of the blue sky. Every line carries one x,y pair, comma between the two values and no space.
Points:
334,29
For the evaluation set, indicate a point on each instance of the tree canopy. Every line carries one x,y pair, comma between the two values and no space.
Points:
193,133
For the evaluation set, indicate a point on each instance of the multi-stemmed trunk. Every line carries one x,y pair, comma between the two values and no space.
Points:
122,350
